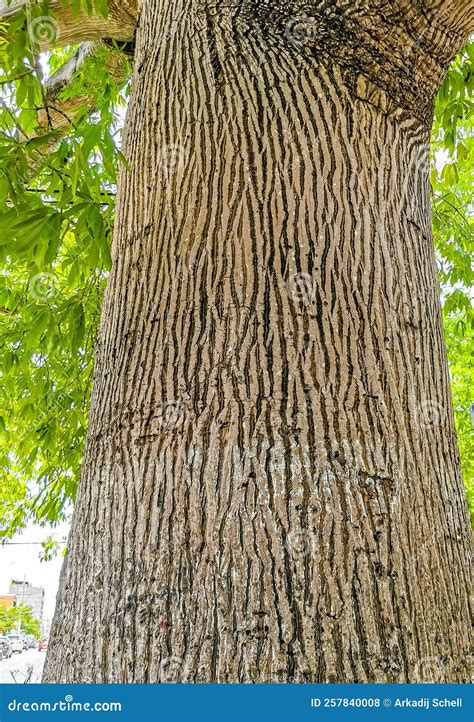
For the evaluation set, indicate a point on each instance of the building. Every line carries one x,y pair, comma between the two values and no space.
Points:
46,627
7,600
26,593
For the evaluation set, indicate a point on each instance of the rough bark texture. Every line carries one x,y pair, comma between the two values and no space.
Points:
271,486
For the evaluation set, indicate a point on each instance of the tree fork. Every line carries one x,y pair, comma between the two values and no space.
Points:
271,488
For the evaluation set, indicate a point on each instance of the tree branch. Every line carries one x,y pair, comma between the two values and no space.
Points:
58,115
61,28
453,15
59,112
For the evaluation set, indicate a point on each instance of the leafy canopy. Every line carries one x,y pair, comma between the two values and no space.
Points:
452,179
19,617
56,214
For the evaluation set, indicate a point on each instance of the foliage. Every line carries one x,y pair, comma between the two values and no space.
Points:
19,617
460,349
49,548
453,223
56,214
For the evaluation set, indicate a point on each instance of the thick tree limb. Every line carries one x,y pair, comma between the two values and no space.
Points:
452,14
59,112
425,39
62,28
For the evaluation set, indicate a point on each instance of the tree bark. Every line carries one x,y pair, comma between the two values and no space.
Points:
271,488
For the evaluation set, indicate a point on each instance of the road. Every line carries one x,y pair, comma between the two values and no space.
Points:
16,669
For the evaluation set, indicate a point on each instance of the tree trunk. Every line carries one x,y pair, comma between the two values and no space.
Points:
271,488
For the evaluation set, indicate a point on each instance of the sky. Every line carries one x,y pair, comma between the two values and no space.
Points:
20,559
